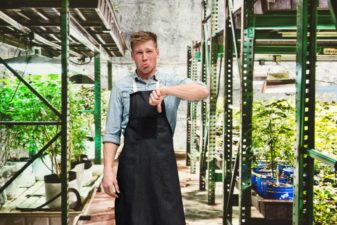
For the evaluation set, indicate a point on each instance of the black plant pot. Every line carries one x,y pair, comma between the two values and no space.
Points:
54,178
53,191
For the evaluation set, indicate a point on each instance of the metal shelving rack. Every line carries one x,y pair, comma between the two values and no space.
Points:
246,34
307,46
88,46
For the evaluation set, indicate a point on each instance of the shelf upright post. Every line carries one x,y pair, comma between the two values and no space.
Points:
305,111
188,119
228,115
193,114
213,101
97,111
204,103
64,114
246,73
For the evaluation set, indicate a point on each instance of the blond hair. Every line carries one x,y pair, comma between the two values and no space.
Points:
141,37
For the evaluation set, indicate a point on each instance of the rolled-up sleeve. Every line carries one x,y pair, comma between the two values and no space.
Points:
114,118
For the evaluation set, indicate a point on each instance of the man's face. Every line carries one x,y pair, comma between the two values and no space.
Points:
145,56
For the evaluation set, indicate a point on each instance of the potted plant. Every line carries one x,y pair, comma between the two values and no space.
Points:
325,200
21,105
273,139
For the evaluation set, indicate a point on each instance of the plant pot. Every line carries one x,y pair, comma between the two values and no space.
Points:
41,167
280,192
289,171
53,189
263,181
258,174
261,185
78,167
87,174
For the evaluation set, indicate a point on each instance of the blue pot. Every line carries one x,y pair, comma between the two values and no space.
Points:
289,171
280,167
261,184
284,192
258,172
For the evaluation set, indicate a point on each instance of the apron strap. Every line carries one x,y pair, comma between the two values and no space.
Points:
134,86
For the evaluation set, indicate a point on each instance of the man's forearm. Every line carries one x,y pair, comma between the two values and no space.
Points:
109,153
190,92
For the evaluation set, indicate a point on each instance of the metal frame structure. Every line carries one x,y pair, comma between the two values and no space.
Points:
67,25
91,23
188,117
65,111
211,166
211,63
97,109
305,111
246,74
280,39
228,117
205,104
193,113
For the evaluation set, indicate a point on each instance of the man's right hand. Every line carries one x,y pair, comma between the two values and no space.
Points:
110,184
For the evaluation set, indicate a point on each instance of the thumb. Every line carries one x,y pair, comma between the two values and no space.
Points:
159,107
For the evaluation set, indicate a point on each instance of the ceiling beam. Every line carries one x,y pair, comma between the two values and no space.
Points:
287,21
13,4
26,30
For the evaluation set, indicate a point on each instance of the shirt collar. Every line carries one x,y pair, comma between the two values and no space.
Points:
135,76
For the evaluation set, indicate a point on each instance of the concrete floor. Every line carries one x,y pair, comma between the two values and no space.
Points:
197,211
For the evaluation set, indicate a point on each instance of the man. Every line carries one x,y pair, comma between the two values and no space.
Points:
144,107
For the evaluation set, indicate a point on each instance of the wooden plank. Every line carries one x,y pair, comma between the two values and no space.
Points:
28,203
23,196
91,195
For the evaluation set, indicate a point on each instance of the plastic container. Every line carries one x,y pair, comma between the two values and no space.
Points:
258,172
261,184
289,171
282,192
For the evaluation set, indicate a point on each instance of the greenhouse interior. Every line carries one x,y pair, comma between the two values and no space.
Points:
252,141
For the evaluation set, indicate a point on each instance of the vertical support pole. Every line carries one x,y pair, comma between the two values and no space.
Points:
228,115
246,72
305,111
213,100
109,64
98,141
234,38
204,106
188,125
64,108
193,152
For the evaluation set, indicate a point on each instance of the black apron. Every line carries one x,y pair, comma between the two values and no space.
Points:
147,171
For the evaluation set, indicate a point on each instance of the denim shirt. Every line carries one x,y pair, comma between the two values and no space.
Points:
118,109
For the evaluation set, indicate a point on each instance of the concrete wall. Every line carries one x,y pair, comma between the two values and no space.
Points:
176,24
